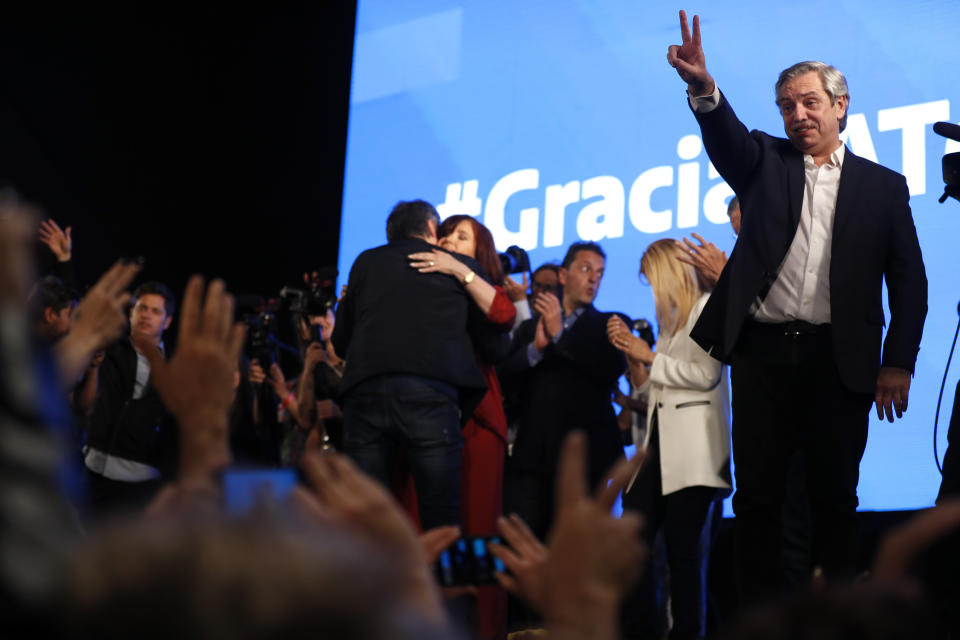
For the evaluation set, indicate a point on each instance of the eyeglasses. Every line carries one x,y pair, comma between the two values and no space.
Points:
541,286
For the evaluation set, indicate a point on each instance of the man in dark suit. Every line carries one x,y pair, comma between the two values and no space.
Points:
564,371
411,374
797,311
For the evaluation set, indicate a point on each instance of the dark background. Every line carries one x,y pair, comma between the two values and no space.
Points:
208,139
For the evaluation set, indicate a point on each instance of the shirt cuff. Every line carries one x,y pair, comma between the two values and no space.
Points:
523,311
705,104
533,356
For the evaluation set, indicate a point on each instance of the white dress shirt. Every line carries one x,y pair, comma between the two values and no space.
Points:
802,288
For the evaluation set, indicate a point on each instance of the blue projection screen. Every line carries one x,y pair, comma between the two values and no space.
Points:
558,120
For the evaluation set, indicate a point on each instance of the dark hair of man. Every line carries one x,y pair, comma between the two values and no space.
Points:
50,293
546,266
160,289
410,219
576,248
486,252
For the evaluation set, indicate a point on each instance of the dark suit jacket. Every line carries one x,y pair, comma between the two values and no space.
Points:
395,320
141,430
569,389
873,238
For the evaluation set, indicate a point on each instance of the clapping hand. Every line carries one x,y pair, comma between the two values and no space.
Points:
548,306
706,259
622,338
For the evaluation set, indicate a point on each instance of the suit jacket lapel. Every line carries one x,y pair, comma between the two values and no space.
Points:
850,178
795,184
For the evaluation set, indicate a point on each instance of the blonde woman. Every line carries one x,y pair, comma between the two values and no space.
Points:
687,438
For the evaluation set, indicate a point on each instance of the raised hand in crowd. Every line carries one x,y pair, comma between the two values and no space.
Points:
339,492
57,240
900,548
525,558
688,59
706,258
516,291
196,384
594,557
98,320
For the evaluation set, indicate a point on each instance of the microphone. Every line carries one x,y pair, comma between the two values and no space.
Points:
947,130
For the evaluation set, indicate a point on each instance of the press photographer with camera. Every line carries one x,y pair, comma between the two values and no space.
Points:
318,387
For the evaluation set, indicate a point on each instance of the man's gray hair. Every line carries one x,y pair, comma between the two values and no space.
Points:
833,82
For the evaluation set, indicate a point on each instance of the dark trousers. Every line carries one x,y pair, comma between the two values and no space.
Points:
787,394
681,515
387,414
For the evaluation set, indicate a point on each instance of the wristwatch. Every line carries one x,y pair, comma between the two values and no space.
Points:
467,279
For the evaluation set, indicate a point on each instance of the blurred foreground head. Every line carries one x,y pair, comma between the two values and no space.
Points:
866,611
236,580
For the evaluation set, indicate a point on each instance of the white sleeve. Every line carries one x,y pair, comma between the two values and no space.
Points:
697,370
705,104
523,312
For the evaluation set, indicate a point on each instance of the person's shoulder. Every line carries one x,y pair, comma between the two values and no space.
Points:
873,169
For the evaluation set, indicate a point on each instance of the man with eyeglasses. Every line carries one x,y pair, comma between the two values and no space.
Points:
563,370
545,279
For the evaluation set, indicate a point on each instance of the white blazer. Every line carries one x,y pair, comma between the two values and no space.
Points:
688,389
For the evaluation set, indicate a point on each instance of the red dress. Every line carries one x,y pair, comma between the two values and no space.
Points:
482,460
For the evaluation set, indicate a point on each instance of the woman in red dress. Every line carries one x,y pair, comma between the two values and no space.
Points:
485,434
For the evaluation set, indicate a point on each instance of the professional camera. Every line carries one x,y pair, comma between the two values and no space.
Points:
320,297
514,260
643,329
951,161
260,316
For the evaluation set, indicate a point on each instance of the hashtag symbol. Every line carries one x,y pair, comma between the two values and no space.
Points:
461,200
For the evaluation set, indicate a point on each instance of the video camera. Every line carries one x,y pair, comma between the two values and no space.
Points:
320,297
261,315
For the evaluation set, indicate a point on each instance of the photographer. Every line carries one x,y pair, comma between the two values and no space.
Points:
318,388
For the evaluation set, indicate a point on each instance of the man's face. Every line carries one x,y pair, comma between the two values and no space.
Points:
581,280
545,281
809,119
148,318
735,219
58,323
